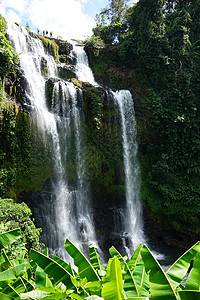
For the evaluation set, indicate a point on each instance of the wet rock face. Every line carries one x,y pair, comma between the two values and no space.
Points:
66,71
15,87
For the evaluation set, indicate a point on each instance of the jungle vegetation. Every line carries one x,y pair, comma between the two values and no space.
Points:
160,41
39,276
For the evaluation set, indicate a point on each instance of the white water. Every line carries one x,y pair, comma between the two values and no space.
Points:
133,225
123,98
83,71
67,214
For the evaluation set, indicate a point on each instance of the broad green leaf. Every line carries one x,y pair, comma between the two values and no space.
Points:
141,279
13,273
94,287
160,287
46,252
178,270
189,295
135,257
94,259
5,297
5,263
113,252
9,237
113,289
41,278
65,265
21,285
131,280
52,268
11,292
193,280
85,268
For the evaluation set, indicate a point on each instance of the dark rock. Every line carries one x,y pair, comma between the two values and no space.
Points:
66,71
15,87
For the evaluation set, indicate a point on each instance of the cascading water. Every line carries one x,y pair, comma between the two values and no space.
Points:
132,217
133,224
83,71
64,212
64,208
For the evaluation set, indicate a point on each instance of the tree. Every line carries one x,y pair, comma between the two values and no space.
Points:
110,22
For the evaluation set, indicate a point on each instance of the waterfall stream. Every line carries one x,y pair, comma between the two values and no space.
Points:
64,210
132,216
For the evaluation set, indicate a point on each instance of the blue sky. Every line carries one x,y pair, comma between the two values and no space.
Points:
67,18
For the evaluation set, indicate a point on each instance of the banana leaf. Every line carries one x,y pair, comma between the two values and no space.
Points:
113,289
65,265
41,278
130,286
13,273
160,286
193,280
52,268
21,285
141,279
85,268
5,297
9,237
178,270
113,252
95,261
5,262
189,295
135,257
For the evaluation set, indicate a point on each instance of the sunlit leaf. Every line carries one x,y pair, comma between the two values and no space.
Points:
193,280
113,289
52,268
178,270
85,268
160,287
94,259
9,237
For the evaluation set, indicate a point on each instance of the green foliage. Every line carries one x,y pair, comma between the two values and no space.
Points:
94,42
51,46
160,41
93,107
110,22
18,215
8,57
140,278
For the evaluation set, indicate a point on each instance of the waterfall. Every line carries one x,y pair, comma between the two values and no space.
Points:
132,217
64,211
133,224
83,71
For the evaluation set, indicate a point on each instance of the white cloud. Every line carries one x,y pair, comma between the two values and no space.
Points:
63,17
11,15
19,5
